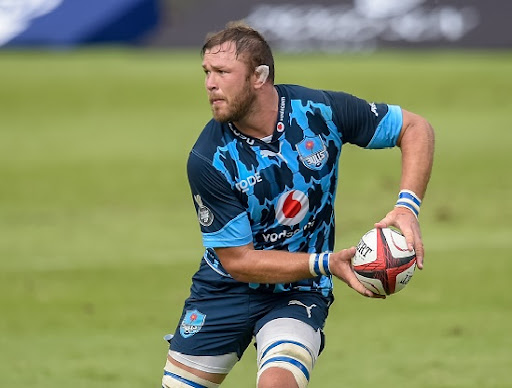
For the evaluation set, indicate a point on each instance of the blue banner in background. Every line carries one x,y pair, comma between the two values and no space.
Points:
67,23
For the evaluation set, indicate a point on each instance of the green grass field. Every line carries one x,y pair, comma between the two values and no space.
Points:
99,238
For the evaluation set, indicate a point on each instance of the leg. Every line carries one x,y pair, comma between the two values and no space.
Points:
287,351
277,378
196,371
210,338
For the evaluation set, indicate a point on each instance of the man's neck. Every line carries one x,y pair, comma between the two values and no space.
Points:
260,122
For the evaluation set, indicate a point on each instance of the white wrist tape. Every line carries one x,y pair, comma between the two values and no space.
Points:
319,264
409,200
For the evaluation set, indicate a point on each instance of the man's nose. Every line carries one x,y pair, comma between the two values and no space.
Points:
211,82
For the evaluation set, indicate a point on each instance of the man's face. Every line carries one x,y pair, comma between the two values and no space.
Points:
227,83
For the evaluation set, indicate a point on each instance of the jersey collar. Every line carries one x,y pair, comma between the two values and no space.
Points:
280,122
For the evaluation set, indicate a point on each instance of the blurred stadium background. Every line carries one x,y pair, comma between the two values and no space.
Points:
100,102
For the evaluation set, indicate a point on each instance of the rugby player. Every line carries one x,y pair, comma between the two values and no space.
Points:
263,176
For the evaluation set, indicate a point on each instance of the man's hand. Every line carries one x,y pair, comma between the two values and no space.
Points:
340,265
407,223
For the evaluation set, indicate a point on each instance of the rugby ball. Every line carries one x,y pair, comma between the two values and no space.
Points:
382,262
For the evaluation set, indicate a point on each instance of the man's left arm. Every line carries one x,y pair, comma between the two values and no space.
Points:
416,142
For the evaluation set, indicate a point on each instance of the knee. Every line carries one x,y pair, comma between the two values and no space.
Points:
282,360
276,378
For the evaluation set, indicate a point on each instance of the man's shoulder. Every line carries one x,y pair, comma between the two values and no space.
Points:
212,127
300,92
294,90
209,139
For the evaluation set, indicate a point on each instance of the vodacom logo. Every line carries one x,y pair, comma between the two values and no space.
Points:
292,207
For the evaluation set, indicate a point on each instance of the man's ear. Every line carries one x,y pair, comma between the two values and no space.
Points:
262,72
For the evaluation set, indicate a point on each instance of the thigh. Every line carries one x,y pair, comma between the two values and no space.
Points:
287,351
213,326
177,373
292,331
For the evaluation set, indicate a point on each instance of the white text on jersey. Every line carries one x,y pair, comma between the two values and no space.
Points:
244,184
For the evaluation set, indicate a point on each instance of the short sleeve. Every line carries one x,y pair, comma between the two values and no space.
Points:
366,124
388,130
222,218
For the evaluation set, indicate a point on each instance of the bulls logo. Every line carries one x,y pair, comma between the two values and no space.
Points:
312,152
292,207
192,322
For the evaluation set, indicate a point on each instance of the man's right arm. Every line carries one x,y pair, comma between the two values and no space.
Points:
248,265
226,229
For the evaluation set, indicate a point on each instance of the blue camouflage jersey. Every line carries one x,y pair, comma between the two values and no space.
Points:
279,194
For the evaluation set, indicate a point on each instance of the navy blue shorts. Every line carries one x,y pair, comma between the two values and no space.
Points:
220,318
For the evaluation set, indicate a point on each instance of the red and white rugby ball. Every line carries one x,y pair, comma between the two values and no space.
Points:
382,262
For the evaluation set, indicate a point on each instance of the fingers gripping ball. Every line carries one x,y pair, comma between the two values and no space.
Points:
382,262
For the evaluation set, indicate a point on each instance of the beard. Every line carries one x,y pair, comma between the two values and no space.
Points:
238,107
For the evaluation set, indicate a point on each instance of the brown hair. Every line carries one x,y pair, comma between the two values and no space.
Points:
250,45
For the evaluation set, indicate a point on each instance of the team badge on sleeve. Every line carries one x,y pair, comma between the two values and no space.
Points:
204,214
192,323
312,152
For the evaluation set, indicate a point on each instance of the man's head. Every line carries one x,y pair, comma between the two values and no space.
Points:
237,62
250,46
